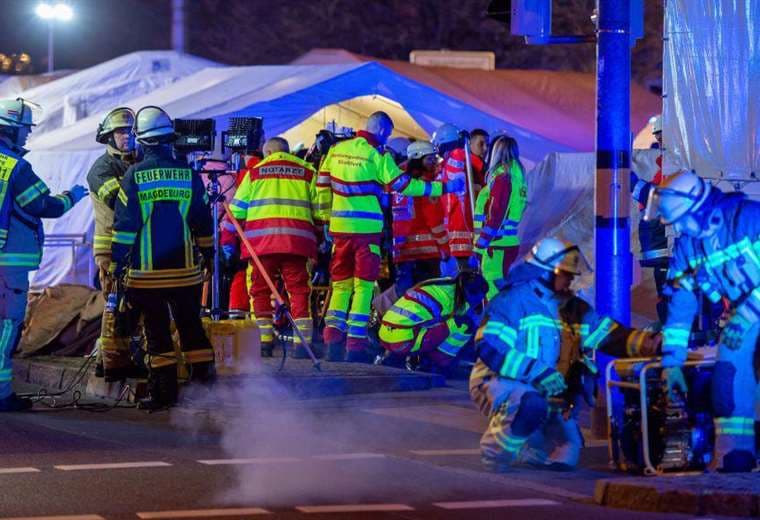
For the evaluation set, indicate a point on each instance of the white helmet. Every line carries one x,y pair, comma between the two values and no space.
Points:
15,113
555,255
151,122
677,195
419,149
444,134
657,124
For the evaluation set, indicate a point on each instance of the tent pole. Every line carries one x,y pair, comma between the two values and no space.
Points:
613,160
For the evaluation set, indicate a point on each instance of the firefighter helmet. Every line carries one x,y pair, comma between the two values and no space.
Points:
152,122
555,255
445,134
15,113
679,194
419,149
121,117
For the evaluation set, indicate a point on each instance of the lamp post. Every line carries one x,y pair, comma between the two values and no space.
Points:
51,13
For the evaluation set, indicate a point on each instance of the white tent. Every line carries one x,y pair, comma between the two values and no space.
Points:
294,101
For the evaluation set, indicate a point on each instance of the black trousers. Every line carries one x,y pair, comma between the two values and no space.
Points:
159,307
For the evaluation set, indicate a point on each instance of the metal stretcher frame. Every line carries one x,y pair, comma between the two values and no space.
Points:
641,386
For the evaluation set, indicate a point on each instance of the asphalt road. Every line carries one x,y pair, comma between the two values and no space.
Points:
403,456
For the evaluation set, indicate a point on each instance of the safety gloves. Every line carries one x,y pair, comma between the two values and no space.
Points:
550,383
228,251
674,380
454,185
449,267
77,193
734,333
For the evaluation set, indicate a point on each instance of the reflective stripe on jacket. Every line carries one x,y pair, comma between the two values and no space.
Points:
276,201
161,216
457,205
500,208
104,180
24,200
351,182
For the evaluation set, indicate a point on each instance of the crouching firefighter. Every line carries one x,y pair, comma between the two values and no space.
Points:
535,349
104,180
435,319
24,200
161,216
717,251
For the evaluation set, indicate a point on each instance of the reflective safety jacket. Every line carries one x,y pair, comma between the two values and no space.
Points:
528,329
104,180
424,306
275,203
228,235
351,183
457,205
500,208
24,200
653,238
725,265
162,215
418,230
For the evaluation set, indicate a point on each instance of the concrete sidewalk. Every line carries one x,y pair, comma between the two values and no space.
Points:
703,494
298,378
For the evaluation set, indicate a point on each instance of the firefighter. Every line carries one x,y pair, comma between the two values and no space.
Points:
420,240
352,179
717,252
653,239
534,365
275,204
24,200
498,211
104,179
458,213
435,319
162,217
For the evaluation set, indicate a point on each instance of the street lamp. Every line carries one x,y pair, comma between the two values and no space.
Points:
52,12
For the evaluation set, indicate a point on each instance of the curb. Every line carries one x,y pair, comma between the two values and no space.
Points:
707,494
55,374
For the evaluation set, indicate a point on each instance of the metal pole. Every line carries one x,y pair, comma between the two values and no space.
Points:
178,25
50,46
468,172
613,159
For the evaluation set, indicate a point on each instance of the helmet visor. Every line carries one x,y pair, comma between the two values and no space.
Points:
574,262
652,209
31,113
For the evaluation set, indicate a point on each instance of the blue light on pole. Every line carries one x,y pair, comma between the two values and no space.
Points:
51,13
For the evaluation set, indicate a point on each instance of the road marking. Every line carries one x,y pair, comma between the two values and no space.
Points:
6,471
205,513
441,453
350,456
63,517
484,504
253,460
113,465
354,508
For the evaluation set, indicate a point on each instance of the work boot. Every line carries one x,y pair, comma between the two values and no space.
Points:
267,350
203,373
336,352
162,389
14,403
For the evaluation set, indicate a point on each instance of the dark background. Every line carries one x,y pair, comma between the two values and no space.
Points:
246,32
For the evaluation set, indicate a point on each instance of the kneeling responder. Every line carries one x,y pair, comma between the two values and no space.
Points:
162,215
435,318
275,204
104,179
534,361
352,180
24,199
498,211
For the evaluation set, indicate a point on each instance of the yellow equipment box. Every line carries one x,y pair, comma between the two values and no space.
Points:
237,346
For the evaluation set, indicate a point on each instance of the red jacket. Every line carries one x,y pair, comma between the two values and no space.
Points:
228,235
456,206
418,229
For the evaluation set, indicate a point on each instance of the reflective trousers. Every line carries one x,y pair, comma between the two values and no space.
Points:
14,286
495,265
291,269
354,268
735,394
440,342
158,307
552,438
116,331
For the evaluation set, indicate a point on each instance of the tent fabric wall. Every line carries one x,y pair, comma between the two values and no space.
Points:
712,80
